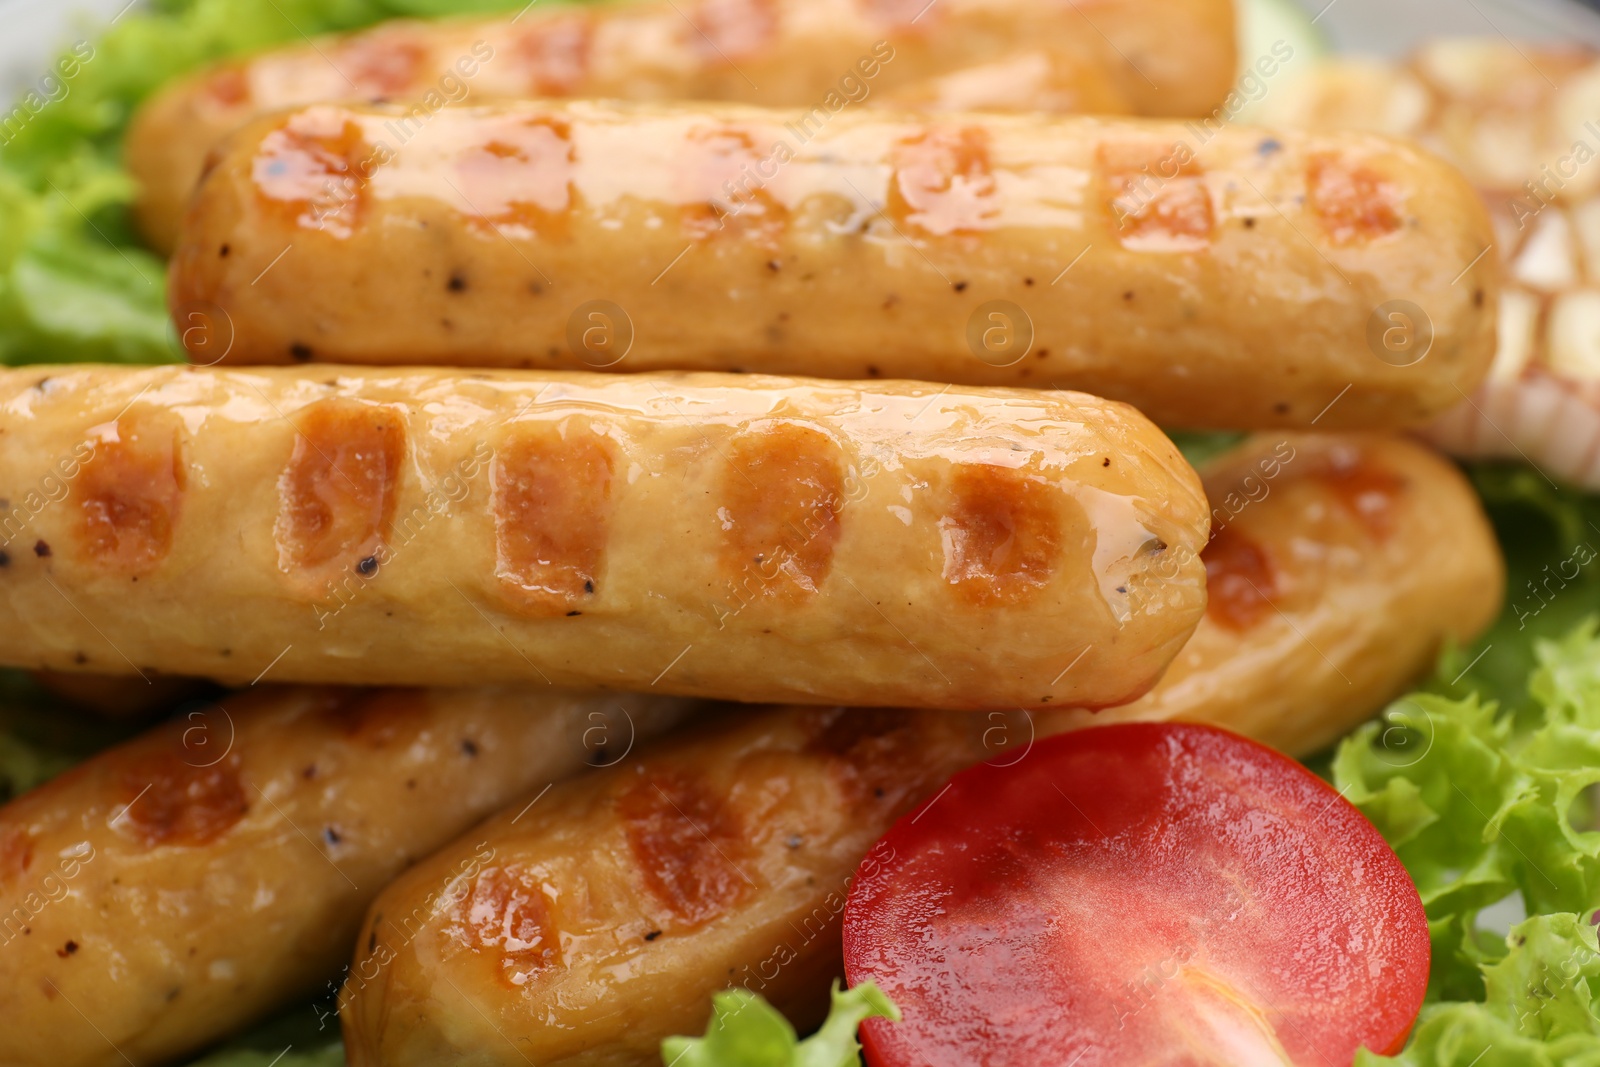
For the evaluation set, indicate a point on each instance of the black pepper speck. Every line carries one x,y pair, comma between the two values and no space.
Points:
368,567
41,549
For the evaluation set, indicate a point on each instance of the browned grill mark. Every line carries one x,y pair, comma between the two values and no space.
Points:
1157,198
520,177
313,171
552,514
1351,201
337,494
1240,580
724,189
686,842
1001,533
163,799
730,30
16,853
871,749
555,55
902,14
1365,489
508,913
943,182
377,718
391,63
131,493
229,86
782,490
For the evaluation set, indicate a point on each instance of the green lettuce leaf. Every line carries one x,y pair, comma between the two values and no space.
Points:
746,1031
1483,804
75,284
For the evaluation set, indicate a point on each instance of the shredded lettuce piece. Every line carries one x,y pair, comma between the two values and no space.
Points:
746,1031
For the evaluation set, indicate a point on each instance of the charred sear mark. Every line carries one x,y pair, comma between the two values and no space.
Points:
687,842
165,800
782,492
1352,202
229,86
376,718
871,748
555,55
1366,490
552,514
1157,198
131,493
725,189
943,182
508,913
1241,581
729,30
337,494
520,178
314,171
16,853
386,63
1001,534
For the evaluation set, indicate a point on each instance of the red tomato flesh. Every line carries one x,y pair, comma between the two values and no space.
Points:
1137,894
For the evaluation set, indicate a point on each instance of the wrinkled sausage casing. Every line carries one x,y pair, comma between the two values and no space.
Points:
585,928
1232,284
831,55
175,888
743,537
1339,567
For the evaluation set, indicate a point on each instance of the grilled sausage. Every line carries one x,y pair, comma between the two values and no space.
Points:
785,53
584,929
585,936
1338,568
741,537
1235,287
1519,121
179,886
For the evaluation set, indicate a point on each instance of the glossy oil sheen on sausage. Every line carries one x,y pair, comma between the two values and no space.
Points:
1108,56
176,888
1211,277
589,927
1340,565
743,537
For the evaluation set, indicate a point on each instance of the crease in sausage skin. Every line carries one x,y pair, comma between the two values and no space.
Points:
1241,580
1001,534
686,842
131,492
943,181
164,799
1157,198
314,171
337,494
782,489
552,515
16,853
519,179
1352,202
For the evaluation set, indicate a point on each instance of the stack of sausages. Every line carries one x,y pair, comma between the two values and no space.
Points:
771,379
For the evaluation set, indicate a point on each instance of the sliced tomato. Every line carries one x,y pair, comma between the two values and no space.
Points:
1139,894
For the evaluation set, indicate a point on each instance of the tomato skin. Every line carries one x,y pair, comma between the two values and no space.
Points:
1137,894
